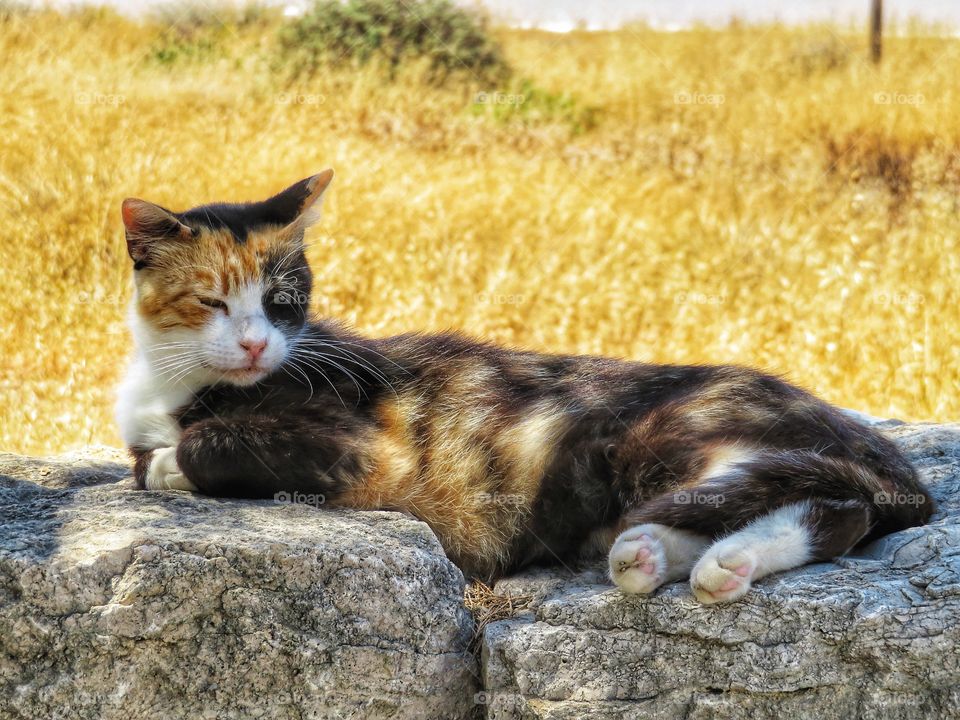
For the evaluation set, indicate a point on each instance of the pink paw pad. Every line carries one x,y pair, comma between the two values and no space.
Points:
637,563
733,583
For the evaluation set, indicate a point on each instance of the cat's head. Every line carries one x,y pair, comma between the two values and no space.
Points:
224,288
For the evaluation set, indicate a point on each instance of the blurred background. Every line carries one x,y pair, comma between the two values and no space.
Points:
690,182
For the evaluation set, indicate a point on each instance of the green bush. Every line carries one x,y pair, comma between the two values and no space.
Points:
174,48
196,33
452,40
187,17
529,104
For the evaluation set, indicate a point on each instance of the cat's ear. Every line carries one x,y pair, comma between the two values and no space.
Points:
146,224
303,200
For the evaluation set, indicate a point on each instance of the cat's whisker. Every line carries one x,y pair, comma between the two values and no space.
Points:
354,357
297,247
373,369
369,349
324,376
313,352
176,352
292,377
161,352
175,363
362,362
335,364
179,376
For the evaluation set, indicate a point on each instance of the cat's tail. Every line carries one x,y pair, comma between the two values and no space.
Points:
887,496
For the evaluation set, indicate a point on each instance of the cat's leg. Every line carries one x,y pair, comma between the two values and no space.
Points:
777,510
646,556
790,536
145,418
271,457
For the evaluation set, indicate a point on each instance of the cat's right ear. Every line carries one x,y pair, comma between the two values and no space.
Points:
147,224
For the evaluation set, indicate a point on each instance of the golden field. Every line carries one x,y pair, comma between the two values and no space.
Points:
757,195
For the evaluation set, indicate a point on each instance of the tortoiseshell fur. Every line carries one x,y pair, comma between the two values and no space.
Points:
511,457
516,458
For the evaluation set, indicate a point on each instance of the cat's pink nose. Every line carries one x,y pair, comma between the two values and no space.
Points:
254,348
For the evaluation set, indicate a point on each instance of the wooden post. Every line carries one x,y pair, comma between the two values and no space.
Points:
876,31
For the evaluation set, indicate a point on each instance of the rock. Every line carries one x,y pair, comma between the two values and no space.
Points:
116,603
876,634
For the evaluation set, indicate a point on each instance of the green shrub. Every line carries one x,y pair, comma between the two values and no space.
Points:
452,40
175,48
194,33
187,17
531,105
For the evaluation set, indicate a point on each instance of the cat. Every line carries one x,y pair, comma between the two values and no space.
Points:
719,474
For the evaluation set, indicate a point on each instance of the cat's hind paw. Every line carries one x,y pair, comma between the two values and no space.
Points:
722,575
638,563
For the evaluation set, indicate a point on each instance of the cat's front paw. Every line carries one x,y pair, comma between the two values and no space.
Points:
164,473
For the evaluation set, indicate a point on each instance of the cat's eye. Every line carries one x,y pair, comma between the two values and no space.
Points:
214,303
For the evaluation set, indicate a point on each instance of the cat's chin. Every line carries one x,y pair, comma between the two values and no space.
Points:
243,376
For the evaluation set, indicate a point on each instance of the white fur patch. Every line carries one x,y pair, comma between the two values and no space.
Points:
726,458
170,366
219,341
771,543
646,556
155,386
165,474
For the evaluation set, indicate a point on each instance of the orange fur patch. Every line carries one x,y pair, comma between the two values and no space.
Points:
447,480
211,265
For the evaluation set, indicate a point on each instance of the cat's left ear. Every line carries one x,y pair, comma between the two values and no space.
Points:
147,224
302,201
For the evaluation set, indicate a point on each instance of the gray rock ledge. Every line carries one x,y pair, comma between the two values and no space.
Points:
875,635
116,603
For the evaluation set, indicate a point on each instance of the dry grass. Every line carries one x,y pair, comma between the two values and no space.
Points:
800,225
487,606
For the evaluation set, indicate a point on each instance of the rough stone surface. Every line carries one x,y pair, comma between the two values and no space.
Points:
875,635
116,603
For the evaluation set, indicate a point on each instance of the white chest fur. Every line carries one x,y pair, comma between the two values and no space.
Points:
148,396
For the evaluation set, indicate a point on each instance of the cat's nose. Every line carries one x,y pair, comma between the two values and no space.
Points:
254,348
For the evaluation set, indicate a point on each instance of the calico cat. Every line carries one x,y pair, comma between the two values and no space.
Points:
720,474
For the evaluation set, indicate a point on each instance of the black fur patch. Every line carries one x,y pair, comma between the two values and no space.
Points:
242,218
